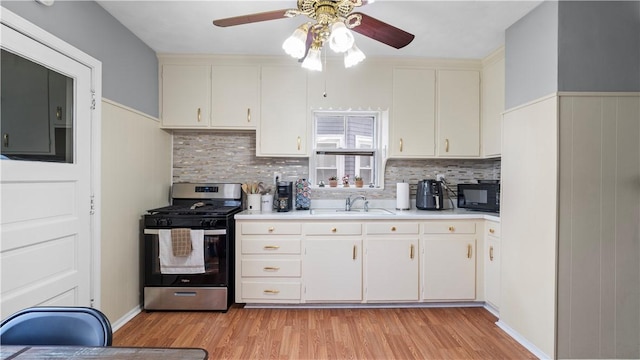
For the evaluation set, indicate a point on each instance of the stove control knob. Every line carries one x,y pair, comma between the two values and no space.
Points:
161,222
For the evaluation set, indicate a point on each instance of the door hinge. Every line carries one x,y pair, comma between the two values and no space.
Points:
92,209
93,99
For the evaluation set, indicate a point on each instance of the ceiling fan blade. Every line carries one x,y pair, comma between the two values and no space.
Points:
251,18
383,32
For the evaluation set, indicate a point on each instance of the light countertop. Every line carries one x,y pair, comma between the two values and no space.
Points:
413,214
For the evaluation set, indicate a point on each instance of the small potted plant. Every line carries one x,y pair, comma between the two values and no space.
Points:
345,181
333,181
359,181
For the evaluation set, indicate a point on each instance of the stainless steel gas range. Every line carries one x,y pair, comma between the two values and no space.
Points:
187,251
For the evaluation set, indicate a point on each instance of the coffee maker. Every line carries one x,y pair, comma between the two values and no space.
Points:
429,195
284,196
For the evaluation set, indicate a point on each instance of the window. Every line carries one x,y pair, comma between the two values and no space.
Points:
345,144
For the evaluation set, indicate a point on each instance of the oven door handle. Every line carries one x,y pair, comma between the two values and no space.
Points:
206,232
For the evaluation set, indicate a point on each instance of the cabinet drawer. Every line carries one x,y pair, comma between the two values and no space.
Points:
392,228
267,290
271,267
492,228
333,229
450,227
268,228
271,246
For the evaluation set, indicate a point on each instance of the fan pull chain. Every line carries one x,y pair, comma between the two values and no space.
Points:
324,94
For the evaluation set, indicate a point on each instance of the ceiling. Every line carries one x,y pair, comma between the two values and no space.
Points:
443,29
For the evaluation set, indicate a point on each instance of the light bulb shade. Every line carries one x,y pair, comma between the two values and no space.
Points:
313,60
295,45
341,38
353,56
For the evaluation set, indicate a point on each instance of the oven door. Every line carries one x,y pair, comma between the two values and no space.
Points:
215,262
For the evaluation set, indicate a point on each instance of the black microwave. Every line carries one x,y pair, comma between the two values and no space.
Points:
482,196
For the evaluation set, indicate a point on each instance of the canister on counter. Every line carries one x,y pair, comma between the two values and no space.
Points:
303,194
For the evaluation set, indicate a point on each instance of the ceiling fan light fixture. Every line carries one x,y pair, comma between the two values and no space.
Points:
353,56
295,45
341,38
313,60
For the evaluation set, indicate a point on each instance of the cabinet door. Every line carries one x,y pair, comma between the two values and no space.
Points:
413,117
284,116
458,113
392,269
492,269
186,96
235,102
332,269
449,269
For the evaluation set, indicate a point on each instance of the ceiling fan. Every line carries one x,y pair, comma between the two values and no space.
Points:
330,21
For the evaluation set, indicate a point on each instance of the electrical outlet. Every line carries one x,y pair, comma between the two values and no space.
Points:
440,177
277,177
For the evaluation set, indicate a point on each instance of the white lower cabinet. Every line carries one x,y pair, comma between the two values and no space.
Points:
449,261
392,262
332,262
492,264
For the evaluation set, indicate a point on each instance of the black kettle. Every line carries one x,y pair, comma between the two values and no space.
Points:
430,195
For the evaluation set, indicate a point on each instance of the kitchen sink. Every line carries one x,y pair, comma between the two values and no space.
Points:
371,211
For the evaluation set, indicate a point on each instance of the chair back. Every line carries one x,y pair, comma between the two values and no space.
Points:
48,325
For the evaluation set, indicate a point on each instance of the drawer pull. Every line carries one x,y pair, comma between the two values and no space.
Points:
271,268
469,251
271,292
411,252
491,253
451,228
270,229
491,231
333,230
393,228
271,247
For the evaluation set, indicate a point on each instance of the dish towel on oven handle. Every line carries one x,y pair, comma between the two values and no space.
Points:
192,264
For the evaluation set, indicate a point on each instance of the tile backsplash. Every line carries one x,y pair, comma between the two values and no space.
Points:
230,157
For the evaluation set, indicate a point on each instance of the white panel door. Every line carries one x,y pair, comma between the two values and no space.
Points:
45,252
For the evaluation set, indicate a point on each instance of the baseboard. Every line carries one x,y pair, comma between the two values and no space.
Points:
492,310
361,306
523,341
125,319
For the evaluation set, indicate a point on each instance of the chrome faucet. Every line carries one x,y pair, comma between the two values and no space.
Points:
349,203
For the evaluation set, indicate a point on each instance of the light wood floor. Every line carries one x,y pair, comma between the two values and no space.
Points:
403,333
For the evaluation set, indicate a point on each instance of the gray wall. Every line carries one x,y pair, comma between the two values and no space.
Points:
600,39
531,56
129,67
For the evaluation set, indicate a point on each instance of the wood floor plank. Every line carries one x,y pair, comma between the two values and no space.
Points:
360,333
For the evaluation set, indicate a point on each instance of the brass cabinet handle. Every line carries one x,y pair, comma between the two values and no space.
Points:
199,114
271,247
411,252
355,251
401,145
270,229
271,268
333,230
59,113
393,228
469,251
248,114
446,145
299,143
491,231
451,228
5,139
271,292
491,253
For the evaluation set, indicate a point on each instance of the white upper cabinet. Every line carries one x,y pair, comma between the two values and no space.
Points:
492,104
413,117
235,97
185,96
458,113
284,112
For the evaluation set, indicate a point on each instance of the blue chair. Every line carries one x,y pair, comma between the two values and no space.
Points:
47,325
